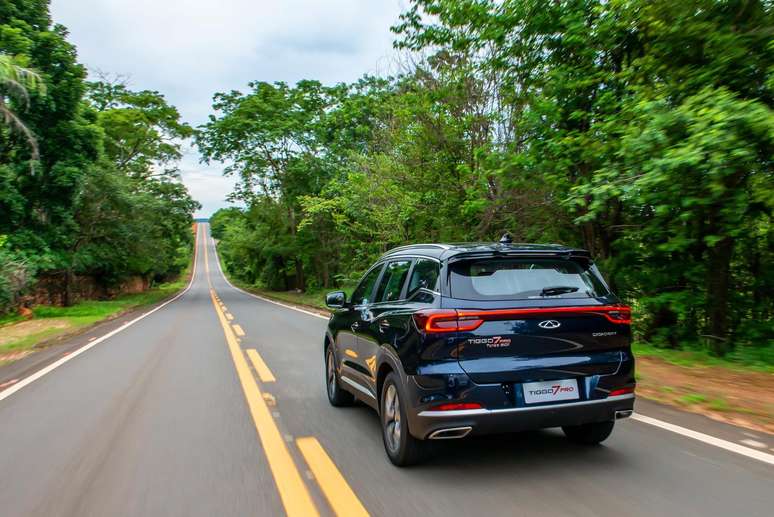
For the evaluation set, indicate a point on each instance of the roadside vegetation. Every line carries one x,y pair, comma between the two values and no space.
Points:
89,185
19,336
640,130
743,358
311,298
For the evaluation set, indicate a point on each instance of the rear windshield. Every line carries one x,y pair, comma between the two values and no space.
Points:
514,279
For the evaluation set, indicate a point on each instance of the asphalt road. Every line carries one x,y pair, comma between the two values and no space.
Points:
170,416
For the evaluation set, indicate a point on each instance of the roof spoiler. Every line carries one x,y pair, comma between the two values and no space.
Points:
570,254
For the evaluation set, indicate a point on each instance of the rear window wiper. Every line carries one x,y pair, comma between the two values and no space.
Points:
561,289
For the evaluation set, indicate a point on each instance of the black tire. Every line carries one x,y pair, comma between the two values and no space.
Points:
401,447
589,434
336,396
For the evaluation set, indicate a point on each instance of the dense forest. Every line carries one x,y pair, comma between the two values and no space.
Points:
88,184
641,130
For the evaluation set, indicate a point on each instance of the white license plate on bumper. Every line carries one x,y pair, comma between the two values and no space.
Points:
550,391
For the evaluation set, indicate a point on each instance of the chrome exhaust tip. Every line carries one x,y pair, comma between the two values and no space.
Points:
451,433
623,414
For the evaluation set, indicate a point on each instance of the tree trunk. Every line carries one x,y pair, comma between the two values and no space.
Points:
757,273
595,241
326,278
69,280
718,286
300,280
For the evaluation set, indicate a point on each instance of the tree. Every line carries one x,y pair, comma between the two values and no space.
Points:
143,132
103,199
641,130
15,81
272,137
699,175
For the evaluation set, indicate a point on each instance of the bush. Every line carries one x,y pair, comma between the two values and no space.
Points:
15,278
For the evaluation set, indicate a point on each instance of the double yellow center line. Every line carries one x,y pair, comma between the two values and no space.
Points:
293,492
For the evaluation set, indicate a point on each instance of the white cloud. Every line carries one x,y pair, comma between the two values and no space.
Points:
190,49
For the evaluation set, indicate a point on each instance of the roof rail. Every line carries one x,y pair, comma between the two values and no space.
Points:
414,246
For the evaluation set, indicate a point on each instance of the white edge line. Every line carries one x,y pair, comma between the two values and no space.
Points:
711,440
310,313
56,364
705,438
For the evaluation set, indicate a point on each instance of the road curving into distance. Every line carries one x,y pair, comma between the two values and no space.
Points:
214,404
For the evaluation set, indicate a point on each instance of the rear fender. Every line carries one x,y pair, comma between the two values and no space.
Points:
387,360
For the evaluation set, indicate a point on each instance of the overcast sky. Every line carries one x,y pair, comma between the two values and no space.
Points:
189,49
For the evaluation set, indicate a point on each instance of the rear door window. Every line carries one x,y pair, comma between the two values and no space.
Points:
392,281
514,279
424,276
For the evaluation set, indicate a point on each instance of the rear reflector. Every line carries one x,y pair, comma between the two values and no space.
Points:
460,320
620,391
456,406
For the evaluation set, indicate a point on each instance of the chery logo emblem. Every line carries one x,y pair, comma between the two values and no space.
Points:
549,324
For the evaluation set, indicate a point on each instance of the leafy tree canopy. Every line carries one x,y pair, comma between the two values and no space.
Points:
641,130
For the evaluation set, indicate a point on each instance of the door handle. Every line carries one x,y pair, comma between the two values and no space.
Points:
355,326
384,325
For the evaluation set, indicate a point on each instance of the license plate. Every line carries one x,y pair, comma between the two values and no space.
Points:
550,391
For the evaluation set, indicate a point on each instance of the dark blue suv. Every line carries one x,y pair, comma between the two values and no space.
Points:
445,341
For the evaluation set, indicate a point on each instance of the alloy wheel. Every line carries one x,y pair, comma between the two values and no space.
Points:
392,426
331,374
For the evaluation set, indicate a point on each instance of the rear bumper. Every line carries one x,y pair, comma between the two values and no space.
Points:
486,421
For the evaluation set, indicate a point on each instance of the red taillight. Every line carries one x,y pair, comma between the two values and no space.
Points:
456,406
451,320
468,322
620,391
619,315
614,313
445,320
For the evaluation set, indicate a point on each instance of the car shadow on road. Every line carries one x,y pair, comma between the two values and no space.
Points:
547,447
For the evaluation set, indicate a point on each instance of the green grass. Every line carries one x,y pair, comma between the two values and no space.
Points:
32,340
719,405
311,298
693,398
88,312
9,318
744,358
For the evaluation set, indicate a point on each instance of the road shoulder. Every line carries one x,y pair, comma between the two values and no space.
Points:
54,349
753,439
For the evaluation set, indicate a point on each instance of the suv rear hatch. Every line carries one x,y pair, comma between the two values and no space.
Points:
521,319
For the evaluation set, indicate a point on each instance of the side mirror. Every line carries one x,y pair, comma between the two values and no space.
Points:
336,299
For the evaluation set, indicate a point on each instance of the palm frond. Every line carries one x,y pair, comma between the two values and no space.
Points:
10,119
12,73
17,81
